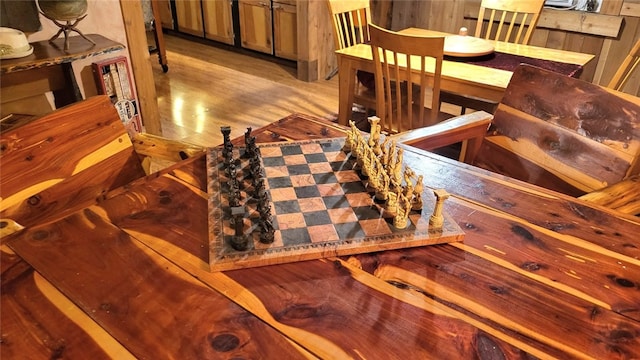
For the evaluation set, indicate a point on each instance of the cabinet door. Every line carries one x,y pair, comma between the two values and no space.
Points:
285,31
189,17
218,22
255,25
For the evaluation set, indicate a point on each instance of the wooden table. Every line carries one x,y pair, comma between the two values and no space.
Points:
538,274
458,77
49,68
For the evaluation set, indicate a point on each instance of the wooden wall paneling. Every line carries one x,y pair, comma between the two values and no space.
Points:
630,8
611,7
141,65
403,14
382,12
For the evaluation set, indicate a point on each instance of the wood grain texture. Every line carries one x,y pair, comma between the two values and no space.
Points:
48,165
496,296
586,136
143,300
39,322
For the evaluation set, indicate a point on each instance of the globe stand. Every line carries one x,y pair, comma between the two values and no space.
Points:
67,29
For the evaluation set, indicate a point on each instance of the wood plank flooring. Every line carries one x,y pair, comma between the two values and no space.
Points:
207,87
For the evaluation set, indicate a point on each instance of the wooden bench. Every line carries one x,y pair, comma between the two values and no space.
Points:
554,131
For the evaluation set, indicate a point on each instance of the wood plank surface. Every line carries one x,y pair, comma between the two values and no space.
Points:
152,307
538,275
307,301
63,161
38,322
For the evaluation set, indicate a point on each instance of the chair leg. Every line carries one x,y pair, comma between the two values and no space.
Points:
333,73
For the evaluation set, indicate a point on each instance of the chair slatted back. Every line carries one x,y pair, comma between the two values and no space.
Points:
563,133
509,20
350,19
626,68
407,69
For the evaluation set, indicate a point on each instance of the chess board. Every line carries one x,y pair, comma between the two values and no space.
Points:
320,205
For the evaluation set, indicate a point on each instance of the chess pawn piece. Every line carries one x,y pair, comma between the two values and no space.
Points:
437,219
401,219
417,194
392,202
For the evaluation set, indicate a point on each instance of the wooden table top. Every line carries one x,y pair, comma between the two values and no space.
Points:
466,75
47,53
538,274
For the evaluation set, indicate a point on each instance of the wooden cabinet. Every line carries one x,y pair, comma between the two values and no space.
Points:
211,19
267,26
285,32
189,17
255,25
218,20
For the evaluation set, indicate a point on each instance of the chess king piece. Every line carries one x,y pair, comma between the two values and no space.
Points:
437,219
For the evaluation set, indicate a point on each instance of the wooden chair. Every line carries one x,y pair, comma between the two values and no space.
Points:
626,68
558,132
510,21
401,91
350,19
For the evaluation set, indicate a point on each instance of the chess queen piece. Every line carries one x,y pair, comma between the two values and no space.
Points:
66,14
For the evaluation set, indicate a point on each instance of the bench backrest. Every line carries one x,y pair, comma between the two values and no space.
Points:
563,133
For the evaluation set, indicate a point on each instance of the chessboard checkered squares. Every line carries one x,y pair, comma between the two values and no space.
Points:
322,233
342,215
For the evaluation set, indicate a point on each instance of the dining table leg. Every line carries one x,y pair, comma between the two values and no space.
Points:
346,81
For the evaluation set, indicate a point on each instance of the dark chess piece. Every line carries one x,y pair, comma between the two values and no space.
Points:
227,146
251,151
234,192
226,132
267,231
247,135
258,187
231,170
239,241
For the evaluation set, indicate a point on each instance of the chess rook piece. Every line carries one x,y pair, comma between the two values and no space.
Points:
437,220
239,241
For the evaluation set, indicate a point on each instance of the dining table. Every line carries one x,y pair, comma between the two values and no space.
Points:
538,274
469,76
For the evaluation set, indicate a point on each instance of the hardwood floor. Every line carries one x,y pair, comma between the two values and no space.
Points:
207,87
